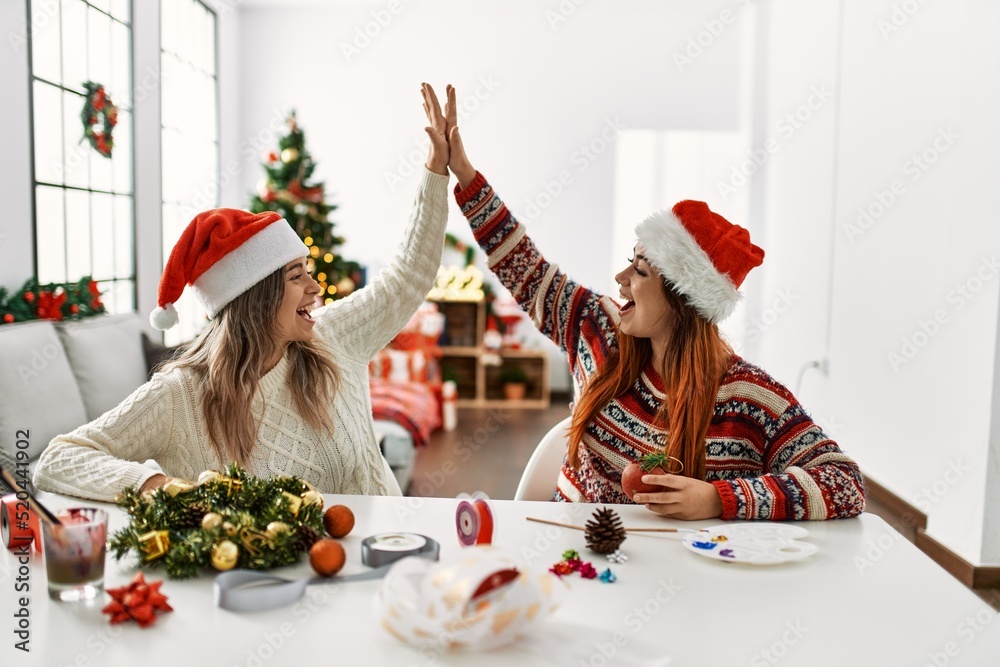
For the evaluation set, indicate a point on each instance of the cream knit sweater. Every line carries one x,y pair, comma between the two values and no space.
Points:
162,419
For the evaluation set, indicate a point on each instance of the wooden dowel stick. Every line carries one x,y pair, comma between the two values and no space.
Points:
630,530
43,512
555,523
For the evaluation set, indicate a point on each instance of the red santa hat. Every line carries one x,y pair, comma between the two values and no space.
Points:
221,254
704,256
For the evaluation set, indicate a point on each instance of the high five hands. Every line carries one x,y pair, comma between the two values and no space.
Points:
446,150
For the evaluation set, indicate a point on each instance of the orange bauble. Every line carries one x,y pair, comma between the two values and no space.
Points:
339,520
327,557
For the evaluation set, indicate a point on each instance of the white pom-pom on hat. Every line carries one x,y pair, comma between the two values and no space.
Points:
163,318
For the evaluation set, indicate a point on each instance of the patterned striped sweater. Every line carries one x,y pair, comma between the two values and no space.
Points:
763,453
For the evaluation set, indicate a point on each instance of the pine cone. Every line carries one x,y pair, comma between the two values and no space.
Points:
605,532
307,536
190,517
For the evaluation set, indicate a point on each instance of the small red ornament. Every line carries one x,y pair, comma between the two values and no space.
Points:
561,568
74,309
272,157
8,318
29,297
139,601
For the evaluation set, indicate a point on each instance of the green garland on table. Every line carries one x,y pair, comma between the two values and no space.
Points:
228,519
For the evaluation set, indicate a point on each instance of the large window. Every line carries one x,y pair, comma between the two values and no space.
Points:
190,133
84,221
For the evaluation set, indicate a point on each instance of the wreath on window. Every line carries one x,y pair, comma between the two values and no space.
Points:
99,116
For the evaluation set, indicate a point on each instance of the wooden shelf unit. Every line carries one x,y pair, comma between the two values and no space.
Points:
463,352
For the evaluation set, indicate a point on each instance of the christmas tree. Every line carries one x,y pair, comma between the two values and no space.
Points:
289,190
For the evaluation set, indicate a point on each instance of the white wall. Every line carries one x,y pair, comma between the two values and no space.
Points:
17,260
550,92
920,425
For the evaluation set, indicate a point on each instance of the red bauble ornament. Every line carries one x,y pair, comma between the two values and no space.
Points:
29,297
327,557
8,318
139,601
651,464
338,520
74,309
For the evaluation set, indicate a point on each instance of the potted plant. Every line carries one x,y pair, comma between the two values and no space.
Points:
514,381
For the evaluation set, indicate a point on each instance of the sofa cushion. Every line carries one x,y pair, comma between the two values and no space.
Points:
157,353
38,391
107,359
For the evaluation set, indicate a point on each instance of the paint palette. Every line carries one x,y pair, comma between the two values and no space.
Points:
753,543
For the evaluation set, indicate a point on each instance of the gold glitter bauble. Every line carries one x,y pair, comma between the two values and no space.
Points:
289,155
211,520
275,528
224,555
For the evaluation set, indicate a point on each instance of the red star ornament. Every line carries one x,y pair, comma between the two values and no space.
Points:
139,601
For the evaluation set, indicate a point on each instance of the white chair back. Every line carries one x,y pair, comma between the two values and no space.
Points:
538,481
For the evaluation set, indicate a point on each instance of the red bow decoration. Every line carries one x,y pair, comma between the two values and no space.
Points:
138,601
314,194
50,305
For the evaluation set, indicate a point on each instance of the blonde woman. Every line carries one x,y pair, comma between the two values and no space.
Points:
272,383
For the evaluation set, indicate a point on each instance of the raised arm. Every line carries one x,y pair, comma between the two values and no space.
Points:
578,320
366,321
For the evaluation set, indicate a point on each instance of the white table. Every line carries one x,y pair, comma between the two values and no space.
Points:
868,597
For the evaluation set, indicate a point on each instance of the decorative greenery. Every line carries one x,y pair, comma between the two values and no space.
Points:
288,190
99,116
513,375
52,301
650,461
248,509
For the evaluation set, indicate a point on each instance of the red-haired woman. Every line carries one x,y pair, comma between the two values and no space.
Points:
656,371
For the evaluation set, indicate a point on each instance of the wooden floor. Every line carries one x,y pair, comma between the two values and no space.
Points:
489,448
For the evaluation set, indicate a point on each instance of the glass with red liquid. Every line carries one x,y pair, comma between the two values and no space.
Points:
74,553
